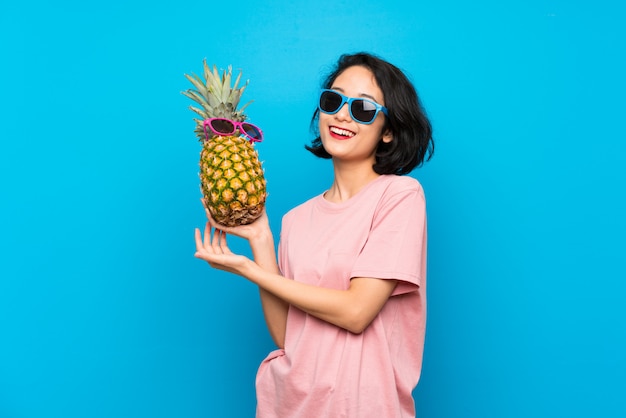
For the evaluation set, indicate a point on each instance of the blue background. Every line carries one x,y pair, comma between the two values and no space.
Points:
104,312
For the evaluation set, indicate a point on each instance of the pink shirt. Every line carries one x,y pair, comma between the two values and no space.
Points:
327,371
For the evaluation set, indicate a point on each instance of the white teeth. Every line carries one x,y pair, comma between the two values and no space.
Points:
342,132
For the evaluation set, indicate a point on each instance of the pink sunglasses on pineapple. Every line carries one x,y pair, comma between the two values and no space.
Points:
224,127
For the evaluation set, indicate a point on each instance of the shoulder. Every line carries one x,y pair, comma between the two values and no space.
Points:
301,210
393,185
400,196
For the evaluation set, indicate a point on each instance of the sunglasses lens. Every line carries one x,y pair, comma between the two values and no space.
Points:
252,131
363,110
330,102
222,126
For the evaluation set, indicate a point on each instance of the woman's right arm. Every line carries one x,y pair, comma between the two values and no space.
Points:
261,240
274,308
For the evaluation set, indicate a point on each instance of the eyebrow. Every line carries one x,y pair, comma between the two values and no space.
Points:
364,95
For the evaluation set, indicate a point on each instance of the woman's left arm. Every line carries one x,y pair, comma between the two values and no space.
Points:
352,309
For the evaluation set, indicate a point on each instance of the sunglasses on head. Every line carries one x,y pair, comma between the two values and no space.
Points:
224,127
361,110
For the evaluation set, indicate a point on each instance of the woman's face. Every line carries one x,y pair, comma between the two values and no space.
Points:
344,138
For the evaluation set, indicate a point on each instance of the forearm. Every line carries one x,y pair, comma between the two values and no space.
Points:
274,308
275,313
263,251
351,309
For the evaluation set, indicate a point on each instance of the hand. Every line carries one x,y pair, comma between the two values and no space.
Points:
250,231
214,250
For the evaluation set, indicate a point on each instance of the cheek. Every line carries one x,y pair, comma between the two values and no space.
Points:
375,130
323,119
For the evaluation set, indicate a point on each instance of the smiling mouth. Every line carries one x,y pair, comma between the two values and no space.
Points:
341,133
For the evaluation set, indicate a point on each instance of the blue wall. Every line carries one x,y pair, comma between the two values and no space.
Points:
104,312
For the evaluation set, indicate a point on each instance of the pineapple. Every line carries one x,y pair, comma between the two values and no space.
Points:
231,176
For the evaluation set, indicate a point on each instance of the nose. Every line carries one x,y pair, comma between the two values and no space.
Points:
344,112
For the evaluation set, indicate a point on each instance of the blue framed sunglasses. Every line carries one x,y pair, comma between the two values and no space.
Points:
361,110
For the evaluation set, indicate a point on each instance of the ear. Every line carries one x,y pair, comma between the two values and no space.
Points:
387,136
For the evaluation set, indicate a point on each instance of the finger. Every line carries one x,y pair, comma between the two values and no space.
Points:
207,235
206,208
224,244
198,239
215,242
201,250
214,223
217,225
209,216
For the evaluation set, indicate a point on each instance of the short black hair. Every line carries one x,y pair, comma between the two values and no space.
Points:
412,143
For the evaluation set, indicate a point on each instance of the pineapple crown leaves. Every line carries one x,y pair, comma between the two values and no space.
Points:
216,95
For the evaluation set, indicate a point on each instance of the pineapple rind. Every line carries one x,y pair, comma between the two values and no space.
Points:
235,193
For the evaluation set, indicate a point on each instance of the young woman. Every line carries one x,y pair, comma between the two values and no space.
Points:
345,301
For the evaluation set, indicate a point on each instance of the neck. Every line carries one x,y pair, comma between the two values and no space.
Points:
349,180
